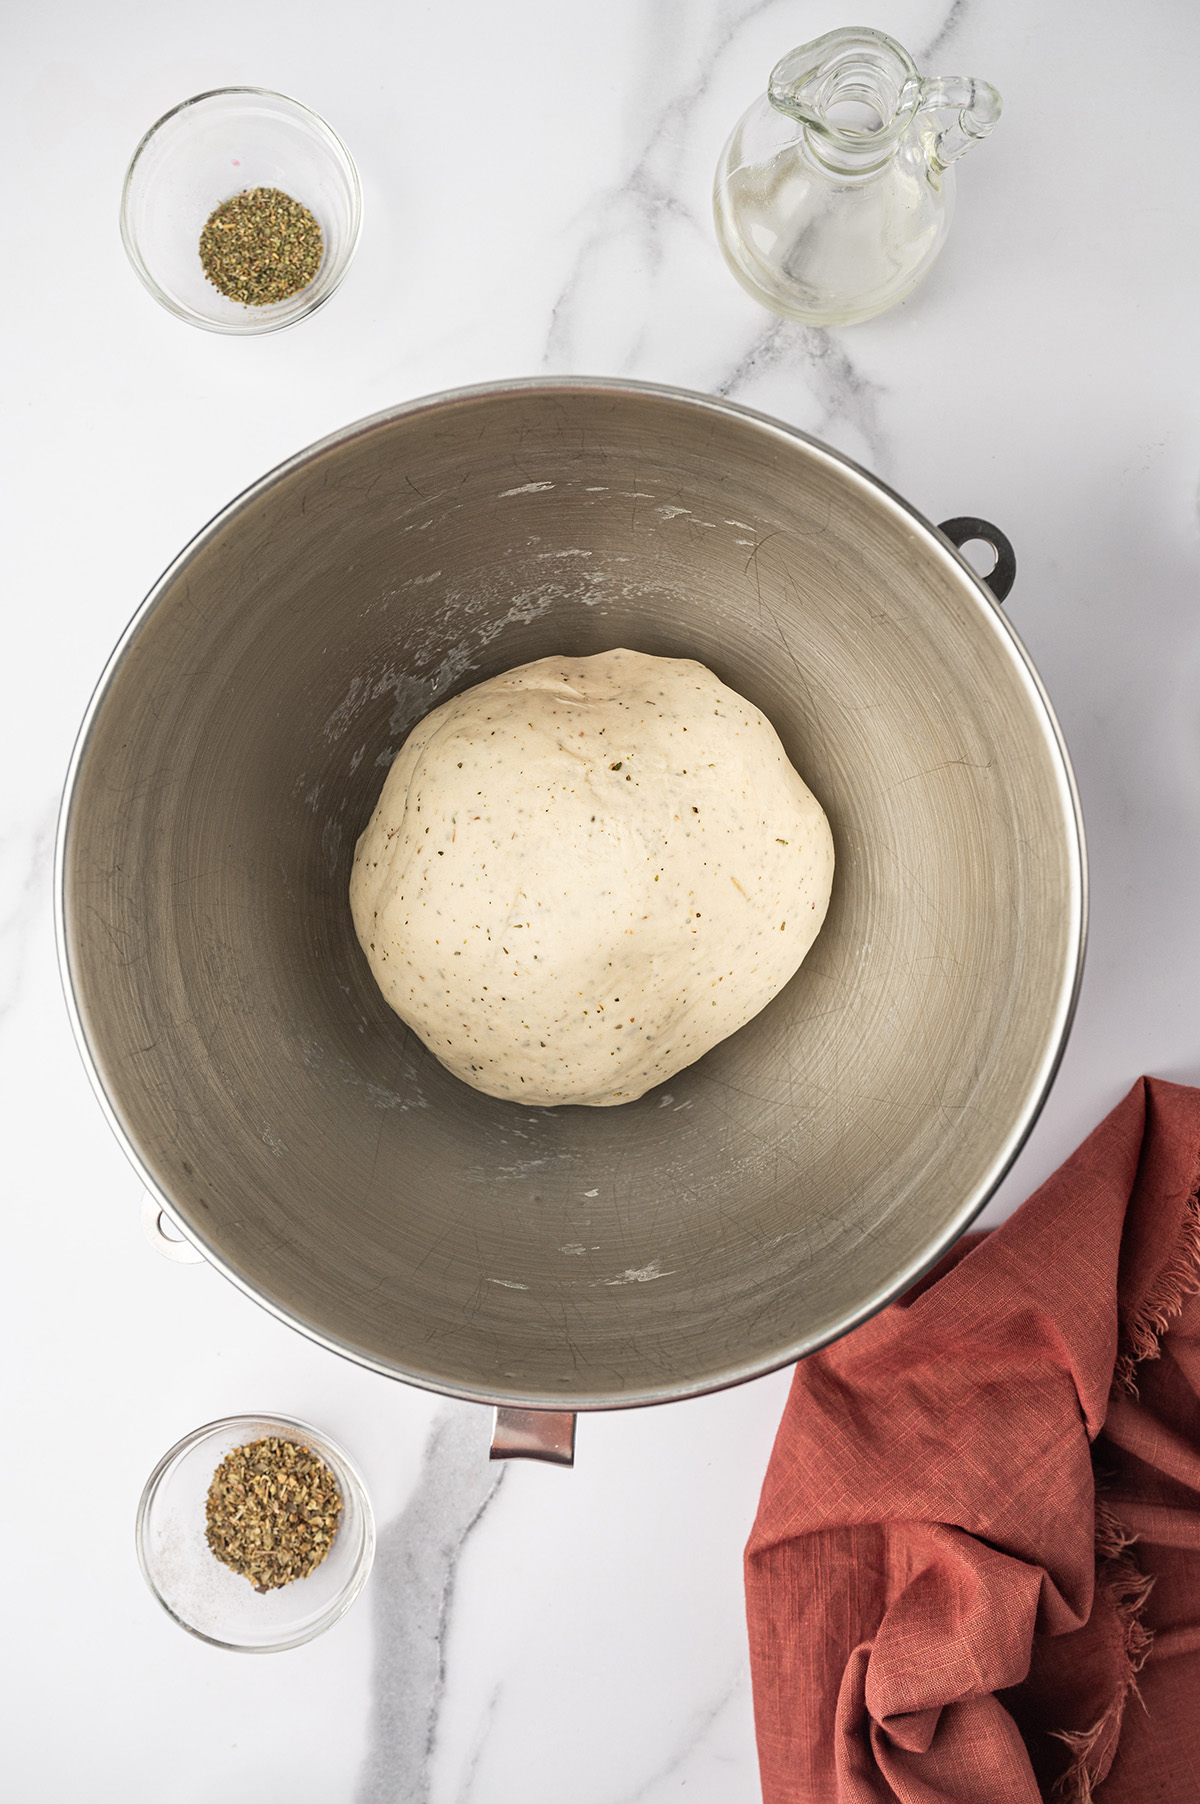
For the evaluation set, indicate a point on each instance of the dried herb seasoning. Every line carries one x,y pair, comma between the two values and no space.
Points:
260,247
272,1512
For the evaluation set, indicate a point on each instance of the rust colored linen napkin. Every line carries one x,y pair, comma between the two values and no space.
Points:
974,1577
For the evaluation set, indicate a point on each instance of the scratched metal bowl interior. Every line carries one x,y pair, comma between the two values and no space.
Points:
762,1201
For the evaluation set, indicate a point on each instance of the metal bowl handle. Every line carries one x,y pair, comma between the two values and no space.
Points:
171,1246
546,1434
962,530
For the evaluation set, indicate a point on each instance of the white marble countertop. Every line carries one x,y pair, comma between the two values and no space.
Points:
536,178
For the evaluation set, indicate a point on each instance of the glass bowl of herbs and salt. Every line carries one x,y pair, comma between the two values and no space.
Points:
241,211
255,1533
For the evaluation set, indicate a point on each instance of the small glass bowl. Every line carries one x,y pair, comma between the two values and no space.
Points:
210,148
206,1597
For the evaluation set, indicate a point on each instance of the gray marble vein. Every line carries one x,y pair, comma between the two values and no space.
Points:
941,37
638,221
466,1792
416,1566
700,1724
845,405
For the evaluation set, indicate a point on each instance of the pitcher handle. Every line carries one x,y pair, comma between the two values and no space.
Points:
977,105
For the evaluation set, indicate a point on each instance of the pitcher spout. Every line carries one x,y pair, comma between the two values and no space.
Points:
855,89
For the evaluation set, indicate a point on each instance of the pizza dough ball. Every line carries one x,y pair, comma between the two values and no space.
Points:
583,874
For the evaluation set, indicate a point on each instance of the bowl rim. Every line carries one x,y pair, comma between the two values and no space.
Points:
349,1478
266,322
1068,991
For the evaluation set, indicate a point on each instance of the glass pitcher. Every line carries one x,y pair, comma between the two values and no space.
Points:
834,192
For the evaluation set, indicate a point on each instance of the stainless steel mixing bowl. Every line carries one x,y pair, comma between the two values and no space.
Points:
763,1201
